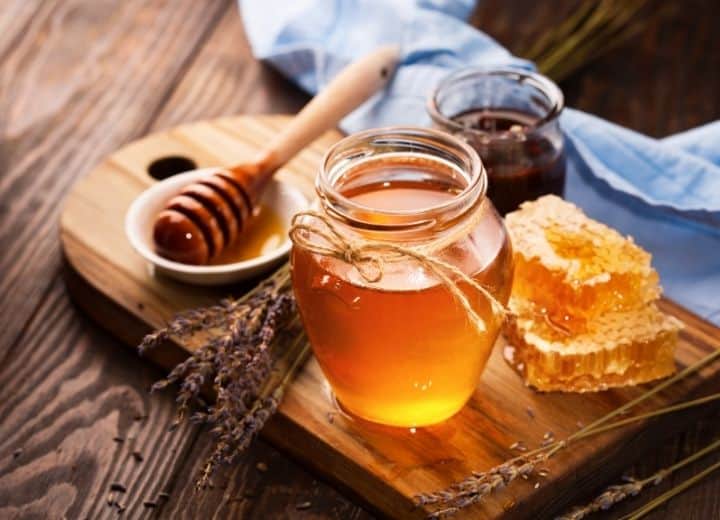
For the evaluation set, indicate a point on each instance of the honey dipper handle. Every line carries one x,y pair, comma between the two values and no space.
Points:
349,89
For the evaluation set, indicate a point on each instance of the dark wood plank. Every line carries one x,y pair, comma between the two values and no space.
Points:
71,396
701,501
80,80
263,484
225,79
663,80
75,391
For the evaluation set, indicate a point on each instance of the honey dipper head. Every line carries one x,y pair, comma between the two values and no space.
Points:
179,239
204,218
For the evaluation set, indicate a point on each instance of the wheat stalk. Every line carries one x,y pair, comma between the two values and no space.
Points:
593,29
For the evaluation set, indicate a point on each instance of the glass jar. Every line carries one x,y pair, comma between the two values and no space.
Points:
510,117
401,350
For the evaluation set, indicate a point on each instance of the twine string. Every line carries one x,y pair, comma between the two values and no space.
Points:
317,233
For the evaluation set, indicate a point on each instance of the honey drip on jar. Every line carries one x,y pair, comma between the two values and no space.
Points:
402,351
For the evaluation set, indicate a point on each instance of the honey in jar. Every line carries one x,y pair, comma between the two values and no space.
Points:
401,350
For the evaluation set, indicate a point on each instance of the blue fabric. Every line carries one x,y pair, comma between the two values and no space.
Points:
663,192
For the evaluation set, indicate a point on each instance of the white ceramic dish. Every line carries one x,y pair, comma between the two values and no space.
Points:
283,198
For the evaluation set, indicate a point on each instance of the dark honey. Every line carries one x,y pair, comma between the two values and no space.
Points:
522,164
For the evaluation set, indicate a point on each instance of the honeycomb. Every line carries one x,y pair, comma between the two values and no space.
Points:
582,313
617,349
574,268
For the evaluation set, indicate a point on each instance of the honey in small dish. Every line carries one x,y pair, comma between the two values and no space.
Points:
264,234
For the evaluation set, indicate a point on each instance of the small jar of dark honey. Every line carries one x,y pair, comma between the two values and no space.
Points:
396,345
510,116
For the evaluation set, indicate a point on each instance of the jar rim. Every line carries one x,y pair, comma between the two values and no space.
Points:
540,82
471,193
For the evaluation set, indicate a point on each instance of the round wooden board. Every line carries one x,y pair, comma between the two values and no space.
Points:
387,467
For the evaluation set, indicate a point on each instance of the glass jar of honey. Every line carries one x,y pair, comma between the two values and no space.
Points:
511,118
398,348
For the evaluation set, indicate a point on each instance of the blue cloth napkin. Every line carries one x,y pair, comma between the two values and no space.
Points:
665,193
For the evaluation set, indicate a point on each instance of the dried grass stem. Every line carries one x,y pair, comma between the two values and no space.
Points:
480,484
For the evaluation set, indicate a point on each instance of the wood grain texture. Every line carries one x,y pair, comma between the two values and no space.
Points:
224,80
385,466
75,396
666,84
70,400
263,484
64,104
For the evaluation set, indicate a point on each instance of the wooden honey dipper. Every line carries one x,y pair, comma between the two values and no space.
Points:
209,215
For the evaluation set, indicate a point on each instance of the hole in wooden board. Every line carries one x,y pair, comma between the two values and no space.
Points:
165,167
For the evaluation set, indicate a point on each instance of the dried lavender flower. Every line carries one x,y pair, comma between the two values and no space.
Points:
611,496
244,342
479,485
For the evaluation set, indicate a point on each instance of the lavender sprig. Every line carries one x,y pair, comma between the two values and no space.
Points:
617,493
474,488
242,360
610,497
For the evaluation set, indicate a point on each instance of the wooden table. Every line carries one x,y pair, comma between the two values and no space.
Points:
78,78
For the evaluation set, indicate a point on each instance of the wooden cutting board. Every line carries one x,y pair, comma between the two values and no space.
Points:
384,466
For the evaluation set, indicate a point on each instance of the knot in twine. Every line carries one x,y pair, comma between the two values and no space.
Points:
317,233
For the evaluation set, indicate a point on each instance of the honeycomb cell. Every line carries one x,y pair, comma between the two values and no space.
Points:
582,312
575,269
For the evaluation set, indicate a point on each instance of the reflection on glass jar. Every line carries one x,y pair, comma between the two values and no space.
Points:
510,117
401,350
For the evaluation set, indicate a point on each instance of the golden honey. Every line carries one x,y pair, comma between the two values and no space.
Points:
402,351
265,233
582,312
575,269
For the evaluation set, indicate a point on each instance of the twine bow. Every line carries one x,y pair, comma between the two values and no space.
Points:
316,233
